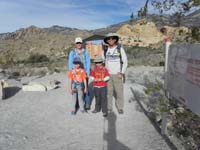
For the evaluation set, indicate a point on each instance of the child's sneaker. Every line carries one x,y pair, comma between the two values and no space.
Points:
72,113
105,114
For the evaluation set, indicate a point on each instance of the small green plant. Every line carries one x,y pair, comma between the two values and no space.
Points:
163,105
153,87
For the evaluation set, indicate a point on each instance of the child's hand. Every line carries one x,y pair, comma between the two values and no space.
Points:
85,90
70,91
97,80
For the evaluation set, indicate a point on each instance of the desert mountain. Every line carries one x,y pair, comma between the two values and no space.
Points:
56,40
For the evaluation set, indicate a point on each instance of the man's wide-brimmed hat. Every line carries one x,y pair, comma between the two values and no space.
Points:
98,59
111,35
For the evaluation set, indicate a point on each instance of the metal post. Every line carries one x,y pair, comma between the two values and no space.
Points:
168,42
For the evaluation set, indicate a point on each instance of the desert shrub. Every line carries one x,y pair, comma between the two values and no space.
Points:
196,33
7,58
180,32
36,58
161,63
163,105
68,49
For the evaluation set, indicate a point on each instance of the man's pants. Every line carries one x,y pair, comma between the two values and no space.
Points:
115,88
101,98
77,94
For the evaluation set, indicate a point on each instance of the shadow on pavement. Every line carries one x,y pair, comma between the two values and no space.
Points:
111,136
11,91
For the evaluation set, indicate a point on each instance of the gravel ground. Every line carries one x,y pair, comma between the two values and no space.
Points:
41,120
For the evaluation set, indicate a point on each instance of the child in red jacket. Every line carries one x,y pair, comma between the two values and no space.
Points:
99,75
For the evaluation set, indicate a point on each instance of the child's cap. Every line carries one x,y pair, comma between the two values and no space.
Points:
76,60
98,59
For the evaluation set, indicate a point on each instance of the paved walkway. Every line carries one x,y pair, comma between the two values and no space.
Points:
41,121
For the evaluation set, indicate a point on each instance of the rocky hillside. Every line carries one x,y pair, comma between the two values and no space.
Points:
26,41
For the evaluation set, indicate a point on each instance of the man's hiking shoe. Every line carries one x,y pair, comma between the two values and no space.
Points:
83,111
105,114
94,111
121,111
109,110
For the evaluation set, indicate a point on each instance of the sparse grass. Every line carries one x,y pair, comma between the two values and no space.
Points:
185,125
153,87
144,55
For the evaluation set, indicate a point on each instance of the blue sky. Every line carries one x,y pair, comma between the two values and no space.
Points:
82,14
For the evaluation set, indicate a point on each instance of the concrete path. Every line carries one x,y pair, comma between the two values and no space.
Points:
41,121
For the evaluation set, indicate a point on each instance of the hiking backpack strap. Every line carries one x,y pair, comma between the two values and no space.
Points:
118,49
74,74
102,72
120,56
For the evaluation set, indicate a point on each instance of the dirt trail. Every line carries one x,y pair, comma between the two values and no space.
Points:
41,121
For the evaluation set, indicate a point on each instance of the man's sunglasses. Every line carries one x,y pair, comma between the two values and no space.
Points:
78,43
111,38
98,62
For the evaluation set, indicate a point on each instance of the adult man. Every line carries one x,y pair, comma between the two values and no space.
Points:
84,56
116,63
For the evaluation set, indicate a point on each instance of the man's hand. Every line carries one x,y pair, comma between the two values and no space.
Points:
120,75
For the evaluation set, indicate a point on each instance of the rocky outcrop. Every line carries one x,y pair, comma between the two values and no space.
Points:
176,32
145,33
24,33
142,34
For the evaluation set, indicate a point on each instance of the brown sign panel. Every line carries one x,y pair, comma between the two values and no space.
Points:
94,48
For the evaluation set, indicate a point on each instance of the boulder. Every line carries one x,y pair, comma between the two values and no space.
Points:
41,86
34,87
3,85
